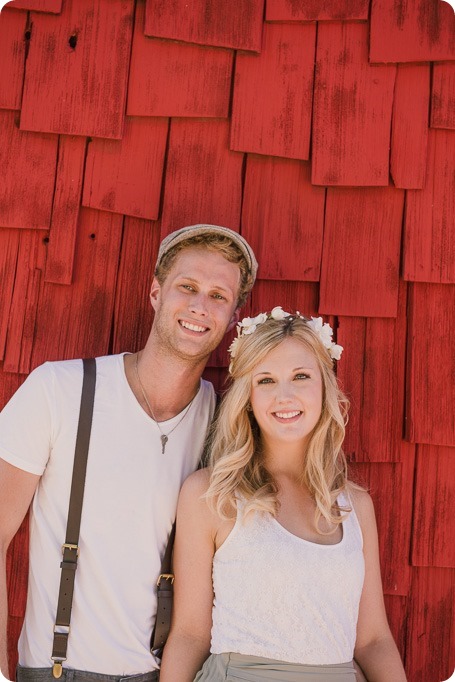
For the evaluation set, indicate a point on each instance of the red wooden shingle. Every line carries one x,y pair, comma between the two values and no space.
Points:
200,77
315,10
430,656
431,364
396,609
76,321
351,333
443,96
27,166
65,210
411,31
22,316
14,628
124,176
207,22
52,6
203,181
9,246
361,252
352,109
372,375
291,296
278,125
434,508
9,383
133,312
12,57
408,154
77,68
429,239
391,487
283,218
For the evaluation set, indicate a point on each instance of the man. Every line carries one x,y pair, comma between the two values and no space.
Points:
150,419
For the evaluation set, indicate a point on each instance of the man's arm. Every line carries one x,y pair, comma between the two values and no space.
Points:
17,488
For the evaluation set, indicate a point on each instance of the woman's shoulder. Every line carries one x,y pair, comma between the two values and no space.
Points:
363,506
192,493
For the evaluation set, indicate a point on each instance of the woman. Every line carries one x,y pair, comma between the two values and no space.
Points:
290,543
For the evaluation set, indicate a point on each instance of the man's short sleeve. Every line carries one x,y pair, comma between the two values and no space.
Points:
26,423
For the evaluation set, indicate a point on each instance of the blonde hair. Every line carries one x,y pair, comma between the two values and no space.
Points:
212,242
235,460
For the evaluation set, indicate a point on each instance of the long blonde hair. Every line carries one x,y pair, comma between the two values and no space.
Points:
235,459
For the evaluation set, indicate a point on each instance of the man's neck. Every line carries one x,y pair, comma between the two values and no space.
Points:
169,383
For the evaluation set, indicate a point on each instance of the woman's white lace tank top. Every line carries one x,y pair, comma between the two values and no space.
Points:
282,597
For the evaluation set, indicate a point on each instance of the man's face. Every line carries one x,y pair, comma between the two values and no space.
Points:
196,303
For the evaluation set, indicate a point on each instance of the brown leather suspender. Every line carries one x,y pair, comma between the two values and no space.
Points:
164,597
70,548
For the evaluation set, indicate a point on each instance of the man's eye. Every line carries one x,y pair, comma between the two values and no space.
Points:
188,287
219,297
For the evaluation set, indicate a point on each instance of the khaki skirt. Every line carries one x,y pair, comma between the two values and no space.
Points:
234,667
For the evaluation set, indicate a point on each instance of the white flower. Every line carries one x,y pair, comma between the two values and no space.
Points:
248,324
335,351
278,313
323,330
232,350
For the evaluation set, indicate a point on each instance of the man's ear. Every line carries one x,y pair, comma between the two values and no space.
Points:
155,291
234,319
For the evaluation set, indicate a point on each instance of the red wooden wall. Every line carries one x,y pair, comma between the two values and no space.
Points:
325,133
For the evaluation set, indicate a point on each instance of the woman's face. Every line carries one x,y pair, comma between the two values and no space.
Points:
286,394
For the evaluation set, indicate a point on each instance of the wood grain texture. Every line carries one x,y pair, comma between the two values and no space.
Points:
208,22
429,238
77,68
443,96
434,509
124,176
430,367
278,125
9,247
408,154
65,209
203,177
352,109
176,79
429,647
22,316
74,322
12,57
133,312
283,218
416,30
315,10
372,376
52,6
391,488
396,609
27,165
361,252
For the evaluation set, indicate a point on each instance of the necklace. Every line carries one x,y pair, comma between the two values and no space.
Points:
164,436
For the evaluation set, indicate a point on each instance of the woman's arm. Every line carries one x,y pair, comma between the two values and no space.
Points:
189,639
375,650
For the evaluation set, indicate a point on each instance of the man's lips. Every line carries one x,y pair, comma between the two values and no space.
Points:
193,327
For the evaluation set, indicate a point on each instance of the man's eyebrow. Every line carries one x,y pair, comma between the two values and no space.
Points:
195,281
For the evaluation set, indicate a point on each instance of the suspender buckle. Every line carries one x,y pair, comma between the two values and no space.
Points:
165,576
67,545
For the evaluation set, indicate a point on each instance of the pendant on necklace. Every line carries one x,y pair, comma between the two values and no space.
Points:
164,440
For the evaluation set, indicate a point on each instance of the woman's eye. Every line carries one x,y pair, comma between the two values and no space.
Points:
302,376
266,380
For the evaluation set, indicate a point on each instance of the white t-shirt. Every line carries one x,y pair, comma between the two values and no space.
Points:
129,506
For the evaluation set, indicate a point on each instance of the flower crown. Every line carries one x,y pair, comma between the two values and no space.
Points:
323,330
